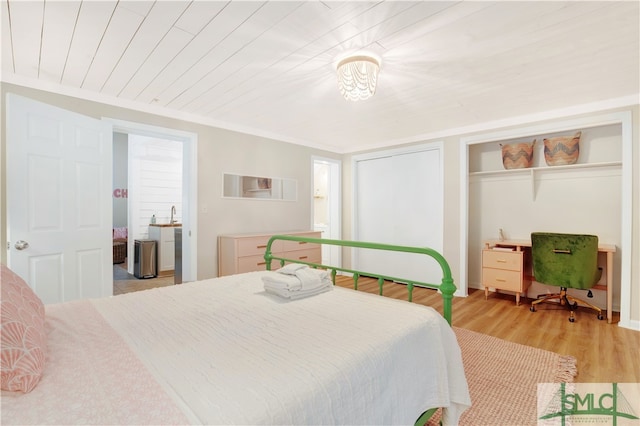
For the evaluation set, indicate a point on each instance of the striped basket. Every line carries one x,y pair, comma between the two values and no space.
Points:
562,150
517,155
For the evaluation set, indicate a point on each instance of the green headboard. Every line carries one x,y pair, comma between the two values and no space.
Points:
446,286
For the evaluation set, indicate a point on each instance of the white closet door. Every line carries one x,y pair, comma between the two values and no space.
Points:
374,213
399,200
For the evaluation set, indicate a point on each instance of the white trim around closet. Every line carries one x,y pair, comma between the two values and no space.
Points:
624,119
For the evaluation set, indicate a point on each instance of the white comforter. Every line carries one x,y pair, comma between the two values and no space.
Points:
226,352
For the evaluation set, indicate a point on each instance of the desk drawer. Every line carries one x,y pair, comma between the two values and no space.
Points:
502,279
509,260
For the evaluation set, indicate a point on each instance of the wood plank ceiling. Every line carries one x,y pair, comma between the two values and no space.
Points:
268,68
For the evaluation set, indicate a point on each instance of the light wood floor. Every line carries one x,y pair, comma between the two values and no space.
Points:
605,352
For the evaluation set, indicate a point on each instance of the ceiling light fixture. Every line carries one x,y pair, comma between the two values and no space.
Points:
358,76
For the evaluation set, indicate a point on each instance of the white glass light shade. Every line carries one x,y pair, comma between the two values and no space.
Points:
357,77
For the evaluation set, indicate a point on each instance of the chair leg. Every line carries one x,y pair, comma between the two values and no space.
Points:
575,300
572,306
547,297
565,300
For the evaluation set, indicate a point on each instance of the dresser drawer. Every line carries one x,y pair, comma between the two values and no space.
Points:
313,255
238,253
509,260
502,279
254,263
299,245
252,246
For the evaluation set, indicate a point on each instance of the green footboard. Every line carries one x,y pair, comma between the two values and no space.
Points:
446,286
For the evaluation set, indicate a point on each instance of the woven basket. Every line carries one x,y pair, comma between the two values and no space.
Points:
562,150
517,155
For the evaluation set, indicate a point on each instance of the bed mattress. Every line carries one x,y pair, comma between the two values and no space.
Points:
223,351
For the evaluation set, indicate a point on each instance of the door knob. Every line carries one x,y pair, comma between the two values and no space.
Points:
21,245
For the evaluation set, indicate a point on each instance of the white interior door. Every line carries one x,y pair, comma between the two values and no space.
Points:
399,200
59,176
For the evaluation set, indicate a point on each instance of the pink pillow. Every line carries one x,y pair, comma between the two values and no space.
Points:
120,233
22,335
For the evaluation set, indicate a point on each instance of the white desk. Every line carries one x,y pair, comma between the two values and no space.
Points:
608,249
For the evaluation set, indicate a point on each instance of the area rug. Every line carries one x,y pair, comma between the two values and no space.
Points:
503,379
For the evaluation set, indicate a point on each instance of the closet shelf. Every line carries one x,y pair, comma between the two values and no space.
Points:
543,169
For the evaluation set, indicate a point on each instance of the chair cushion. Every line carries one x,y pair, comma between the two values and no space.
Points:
23,334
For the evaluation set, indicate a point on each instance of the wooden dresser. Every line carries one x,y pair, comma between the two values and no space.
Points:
240,253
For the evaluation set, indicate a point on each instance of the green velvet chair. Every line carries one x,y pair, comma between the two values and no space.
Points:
565,261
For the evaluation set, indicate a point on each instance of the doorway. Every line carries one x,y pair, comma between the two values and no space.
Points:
147,179
187,145
326,207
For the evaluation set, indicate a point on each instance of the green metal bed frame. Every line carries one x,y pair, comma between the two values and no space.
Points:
446,287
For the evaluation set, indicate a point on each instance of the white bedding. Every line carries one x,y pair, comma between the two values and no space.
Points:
223,351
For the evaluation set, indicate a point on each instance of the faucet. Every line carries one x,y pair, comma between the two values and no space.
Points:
173,211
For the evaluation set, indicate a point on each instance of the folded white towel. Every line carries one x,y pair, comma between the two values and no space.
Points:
295,281
291,268
282,281
306,277
295,295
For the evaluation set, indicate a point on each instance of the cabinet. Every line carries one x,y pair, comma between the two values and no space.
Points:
165,238
504,270
239,253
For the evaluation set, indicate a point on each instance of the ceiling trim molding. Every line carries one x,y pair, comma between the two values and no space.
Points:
607,104
151,109
560,113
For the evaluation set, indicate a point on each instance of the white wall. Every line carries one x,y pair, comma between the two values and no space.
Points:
452,215
221,150
155,181
120,180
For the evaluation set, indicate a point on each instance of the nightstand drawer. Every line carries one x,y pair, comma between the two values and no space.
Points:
509,260
502,279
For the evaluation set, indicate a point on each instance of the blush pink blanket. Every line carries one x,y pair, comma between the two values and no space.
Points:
224,351
91,377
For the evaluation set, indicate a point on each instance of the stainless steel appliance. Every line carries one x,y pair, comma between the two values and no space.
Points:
177,277
144,264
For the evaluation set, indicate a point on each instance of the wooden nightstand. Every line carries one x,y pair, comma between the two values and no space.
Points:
504,269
